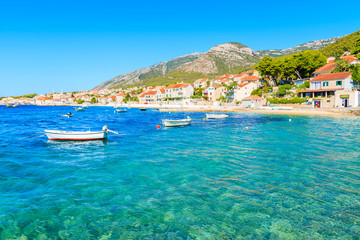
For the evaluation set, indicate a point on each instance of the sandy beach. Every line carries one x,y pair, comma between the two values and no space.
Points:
303,111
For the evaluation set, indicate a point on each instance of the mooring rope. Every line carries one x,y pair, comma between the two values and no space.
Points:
32,136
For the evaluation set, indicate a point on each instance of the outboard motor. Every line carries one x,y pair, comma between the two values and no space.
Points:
105,128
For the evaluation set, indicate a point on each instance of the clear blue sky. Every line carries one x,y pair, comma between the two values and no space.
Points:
76,45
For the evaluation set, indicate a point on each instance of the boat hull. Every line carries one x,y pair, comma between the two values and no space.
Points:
75,136
176,123
80,109
216,116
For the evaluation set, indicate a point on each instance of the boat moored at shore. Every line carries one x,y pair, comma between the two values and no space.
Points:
216,116
120,110
80,109
58,135
176,123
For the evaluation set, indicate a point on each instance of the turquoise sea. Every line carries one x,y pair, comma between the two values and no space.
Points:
279,179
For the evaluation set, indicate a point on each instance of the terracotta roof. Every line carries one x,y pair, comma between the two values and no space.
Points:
252,97
350,58
162,90
326,68
242,85
121,95
225,76
331,76
179,85
204,80
148,93
321,90
250,78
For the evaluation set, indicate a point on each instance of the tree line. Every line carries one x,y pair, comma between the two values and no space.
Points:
287,68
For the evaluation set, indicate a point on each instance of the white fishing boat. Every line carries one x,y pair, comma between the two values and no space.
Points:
120,110
80,109
216,116
78,135
176,123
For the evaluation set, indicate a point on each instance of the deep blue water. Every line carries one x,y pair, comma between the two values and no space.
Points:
211,180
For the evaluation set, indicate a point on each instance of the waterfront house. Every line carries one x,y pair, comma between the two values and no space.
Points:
333,90
179,91
160,94
252,101
148,97
244,90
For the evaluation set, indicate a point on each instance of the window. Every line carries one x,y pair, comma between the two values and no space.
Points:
338,83
325,84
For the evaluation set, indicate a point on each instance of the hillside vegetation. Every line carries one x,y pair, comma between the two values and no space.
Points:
345,44
169,78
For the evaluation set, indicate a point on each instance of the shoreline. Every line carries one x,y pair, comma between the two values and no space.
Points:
208,108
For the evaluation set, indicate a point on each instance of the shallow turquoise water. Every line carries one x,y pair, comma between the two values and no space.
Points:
210,180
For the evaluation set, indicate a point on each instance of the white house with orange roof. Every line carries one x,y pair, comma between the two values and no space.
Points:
253,78
148,97
214,92
160,94
201,83
252,101
239,77
333,90
179,91
244,90
120,97
225,79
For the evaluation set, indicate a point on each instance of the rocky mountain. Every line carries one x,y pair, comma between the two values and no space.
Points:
155,70
230,57
315,45
223,58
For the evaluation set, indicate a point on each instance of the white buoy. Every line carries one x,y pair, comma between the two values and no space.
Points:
290,120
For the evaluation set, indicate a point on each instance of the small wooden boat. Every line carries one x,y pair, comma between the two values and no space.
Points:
80,109
142,109
176,123
216,116
58,135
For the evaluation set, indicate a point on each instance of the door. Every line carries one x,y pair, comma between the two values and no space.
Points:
317,104
345,102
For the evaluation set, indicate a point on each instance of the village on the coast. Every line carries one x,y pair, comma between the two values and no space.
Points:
324,89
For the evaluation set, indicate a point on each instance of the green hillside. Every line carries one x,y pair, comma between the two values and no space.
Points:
186,77
345,44
169,78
